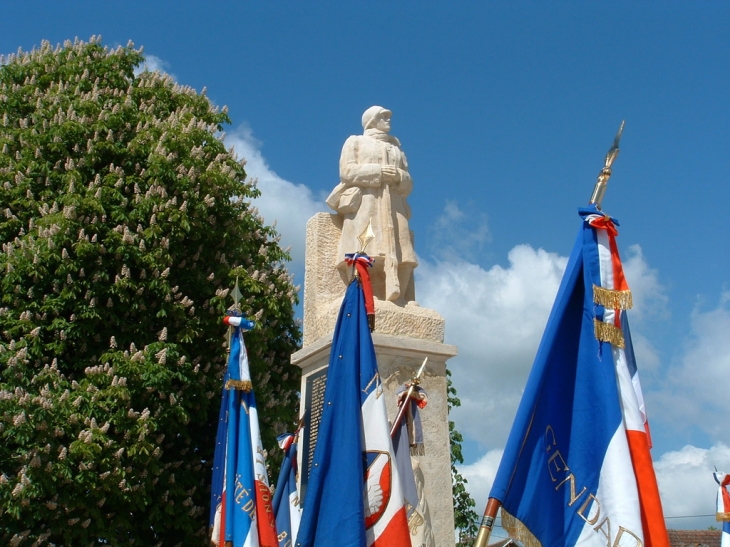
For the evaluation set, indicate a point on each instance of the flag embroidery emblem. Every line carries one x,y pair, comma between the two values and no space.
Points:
378,486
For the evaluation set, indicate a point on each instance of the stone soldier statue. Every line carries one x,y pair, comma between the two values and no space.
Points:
374,184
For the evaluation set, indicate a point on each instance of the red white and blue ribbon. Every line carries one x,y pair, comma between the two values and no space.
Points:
362,263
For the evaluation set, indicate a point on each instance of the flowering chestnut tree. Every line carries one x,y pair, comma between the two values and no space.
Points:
124,224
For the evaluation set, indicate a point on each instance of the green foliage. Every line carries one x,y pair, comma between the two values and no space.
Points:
465,518
124,222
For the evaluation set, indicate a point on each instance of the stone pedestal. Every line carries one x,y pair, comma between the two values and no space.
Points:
403,337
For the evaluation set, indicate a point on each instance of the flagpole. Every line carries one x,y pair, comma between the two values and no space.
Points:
485,527
599,190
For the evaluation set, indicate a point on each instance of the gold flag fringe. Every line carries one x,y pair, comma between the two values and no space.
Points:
517,530
722,517
610,298
418,449
608,333
243,385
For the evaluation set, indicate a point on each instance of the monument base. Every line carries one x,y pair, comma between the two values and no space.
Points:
399,358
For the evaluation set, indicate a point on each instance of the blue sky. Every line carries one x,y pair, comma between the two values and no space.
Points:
505,110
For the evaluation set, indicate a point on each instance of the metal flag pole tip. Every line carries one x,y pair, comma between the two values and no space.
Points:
236,295
366,236
600,188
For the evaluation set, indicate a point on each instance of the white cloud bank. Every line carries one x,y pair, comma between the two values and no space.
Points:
687,486
459,234
152,63
480,476
288,204
695,394
496,318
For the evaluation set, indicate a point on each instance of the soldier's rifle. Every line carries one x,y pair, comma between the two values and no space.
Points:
403,408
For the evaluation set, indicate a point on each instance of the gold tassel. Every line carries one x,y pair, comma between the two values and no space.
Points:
608,333
612,299
415,521
722,517
243,385
517,530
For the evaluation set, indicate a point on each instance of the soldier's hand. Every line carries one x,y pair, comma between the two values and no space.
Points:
390,173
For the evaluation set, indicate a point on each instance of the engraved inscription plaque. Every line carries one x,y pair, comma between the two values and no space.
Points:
314,402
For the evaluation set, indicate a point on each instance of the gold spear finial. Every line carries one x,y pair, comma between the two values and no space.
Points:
600,188
366,237
236,295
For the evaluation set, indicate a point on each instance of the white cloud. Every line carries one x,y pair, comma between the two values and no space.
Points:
480,476
696,394
650,307
686,484
649,295
152,63
496,318
288,204
457,234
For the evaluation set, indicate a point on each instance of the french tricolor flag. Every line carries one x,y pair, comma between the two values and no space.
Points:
723,506
286,505
577,468
354,496
241,500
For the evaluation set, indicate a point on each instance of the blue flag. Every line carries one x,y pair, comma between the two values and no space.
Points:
354,496
577,468
333,512
240,496
286,497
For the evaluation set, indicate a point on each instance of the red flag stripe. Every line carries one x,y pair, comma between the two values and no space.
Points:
265,516
393,533
652,516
